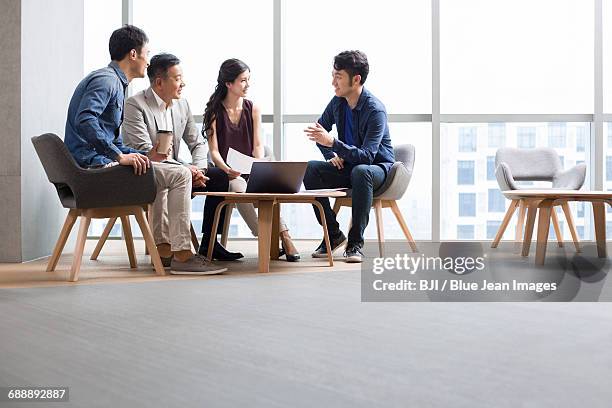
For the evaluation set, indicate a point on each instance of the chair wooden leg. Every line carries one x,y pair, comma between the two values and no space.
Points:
129,240
398,215
330,256
571,225
504,224
520,223
149,241
379,227
546,209
599,218
61,240
194,238
149,213
555,222
78,250
337,206
109,226
226,224
532,209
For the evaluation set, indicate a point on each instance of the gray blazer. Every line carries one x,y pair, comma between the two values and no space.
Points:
139,127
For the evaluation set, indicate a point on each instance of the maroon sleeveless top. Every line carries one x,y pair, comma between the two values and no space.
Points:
238,137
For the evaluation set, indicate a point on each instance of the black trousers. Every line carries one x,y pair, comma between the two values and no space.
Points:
218,182
364,179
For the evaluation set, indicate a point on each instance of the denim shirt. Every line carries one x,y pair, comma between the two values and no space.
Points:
94,117
370,132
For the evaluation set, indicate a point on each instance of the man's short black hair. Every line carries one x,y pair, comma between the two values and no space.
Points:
160,64
354,62
125,39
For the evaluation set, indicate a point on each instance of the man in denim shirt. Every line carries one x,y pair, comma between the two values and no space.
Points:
361,156
93,137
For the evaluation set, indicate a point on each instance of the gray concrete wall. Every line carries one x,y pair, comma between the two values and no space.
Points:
42,61
51,66
10,149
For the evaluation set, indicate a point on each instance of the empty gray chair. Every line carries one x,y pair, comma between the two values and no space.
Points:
95,193
541,164
387,195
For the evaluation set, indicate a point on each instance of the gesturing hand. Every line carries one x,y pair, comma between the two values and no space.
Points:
317,133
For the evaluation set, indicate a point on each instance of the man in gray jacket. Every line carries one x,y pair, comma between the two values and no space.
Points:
157,110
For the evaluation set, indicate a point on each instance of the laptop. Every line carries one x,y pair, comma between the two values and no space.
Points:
276,177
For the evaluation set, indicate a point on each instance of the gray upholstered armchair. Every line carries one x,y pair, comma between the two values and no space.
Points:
386,196
95,193
541,164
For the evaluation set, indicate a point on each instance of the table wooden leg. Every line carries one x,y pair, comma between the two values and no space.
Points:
532,209
330,256
274,250
213,232
599,218
543,227
264,218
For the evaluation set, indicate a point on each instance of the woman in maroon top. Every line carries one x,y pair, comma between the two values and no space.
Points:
231,120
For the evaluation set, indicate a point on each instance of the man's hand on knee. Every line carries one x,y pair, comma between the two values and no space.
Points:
139,161
338,162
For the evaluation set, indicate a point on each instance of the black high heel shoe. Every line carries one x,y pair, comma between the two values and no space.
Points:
288,257
219,252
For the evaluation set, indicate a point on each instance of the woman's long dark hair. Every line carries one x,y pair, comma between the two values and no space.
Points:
229,71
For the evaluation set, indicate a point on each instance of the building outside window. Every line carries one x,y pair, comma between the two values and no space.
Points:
497,135
581,138
526,137
490,167
492,228
465,232
496,200
467,139
465,172
467,204
557,135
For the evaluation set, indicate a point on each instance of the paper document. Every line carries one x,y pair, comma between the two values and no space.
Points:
241,162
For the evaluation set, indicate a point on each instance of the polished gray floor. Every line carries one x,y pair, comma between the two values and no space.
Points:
299,340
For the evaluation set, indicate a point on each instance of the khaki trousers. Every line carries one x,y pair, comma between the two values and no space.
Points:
171,210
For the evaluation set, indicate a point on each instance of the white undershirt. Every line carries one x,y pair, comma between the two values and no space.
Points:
166,116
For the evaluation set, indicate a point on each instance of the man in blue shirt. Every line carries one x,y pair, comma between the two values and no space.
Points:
359,158
93,137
